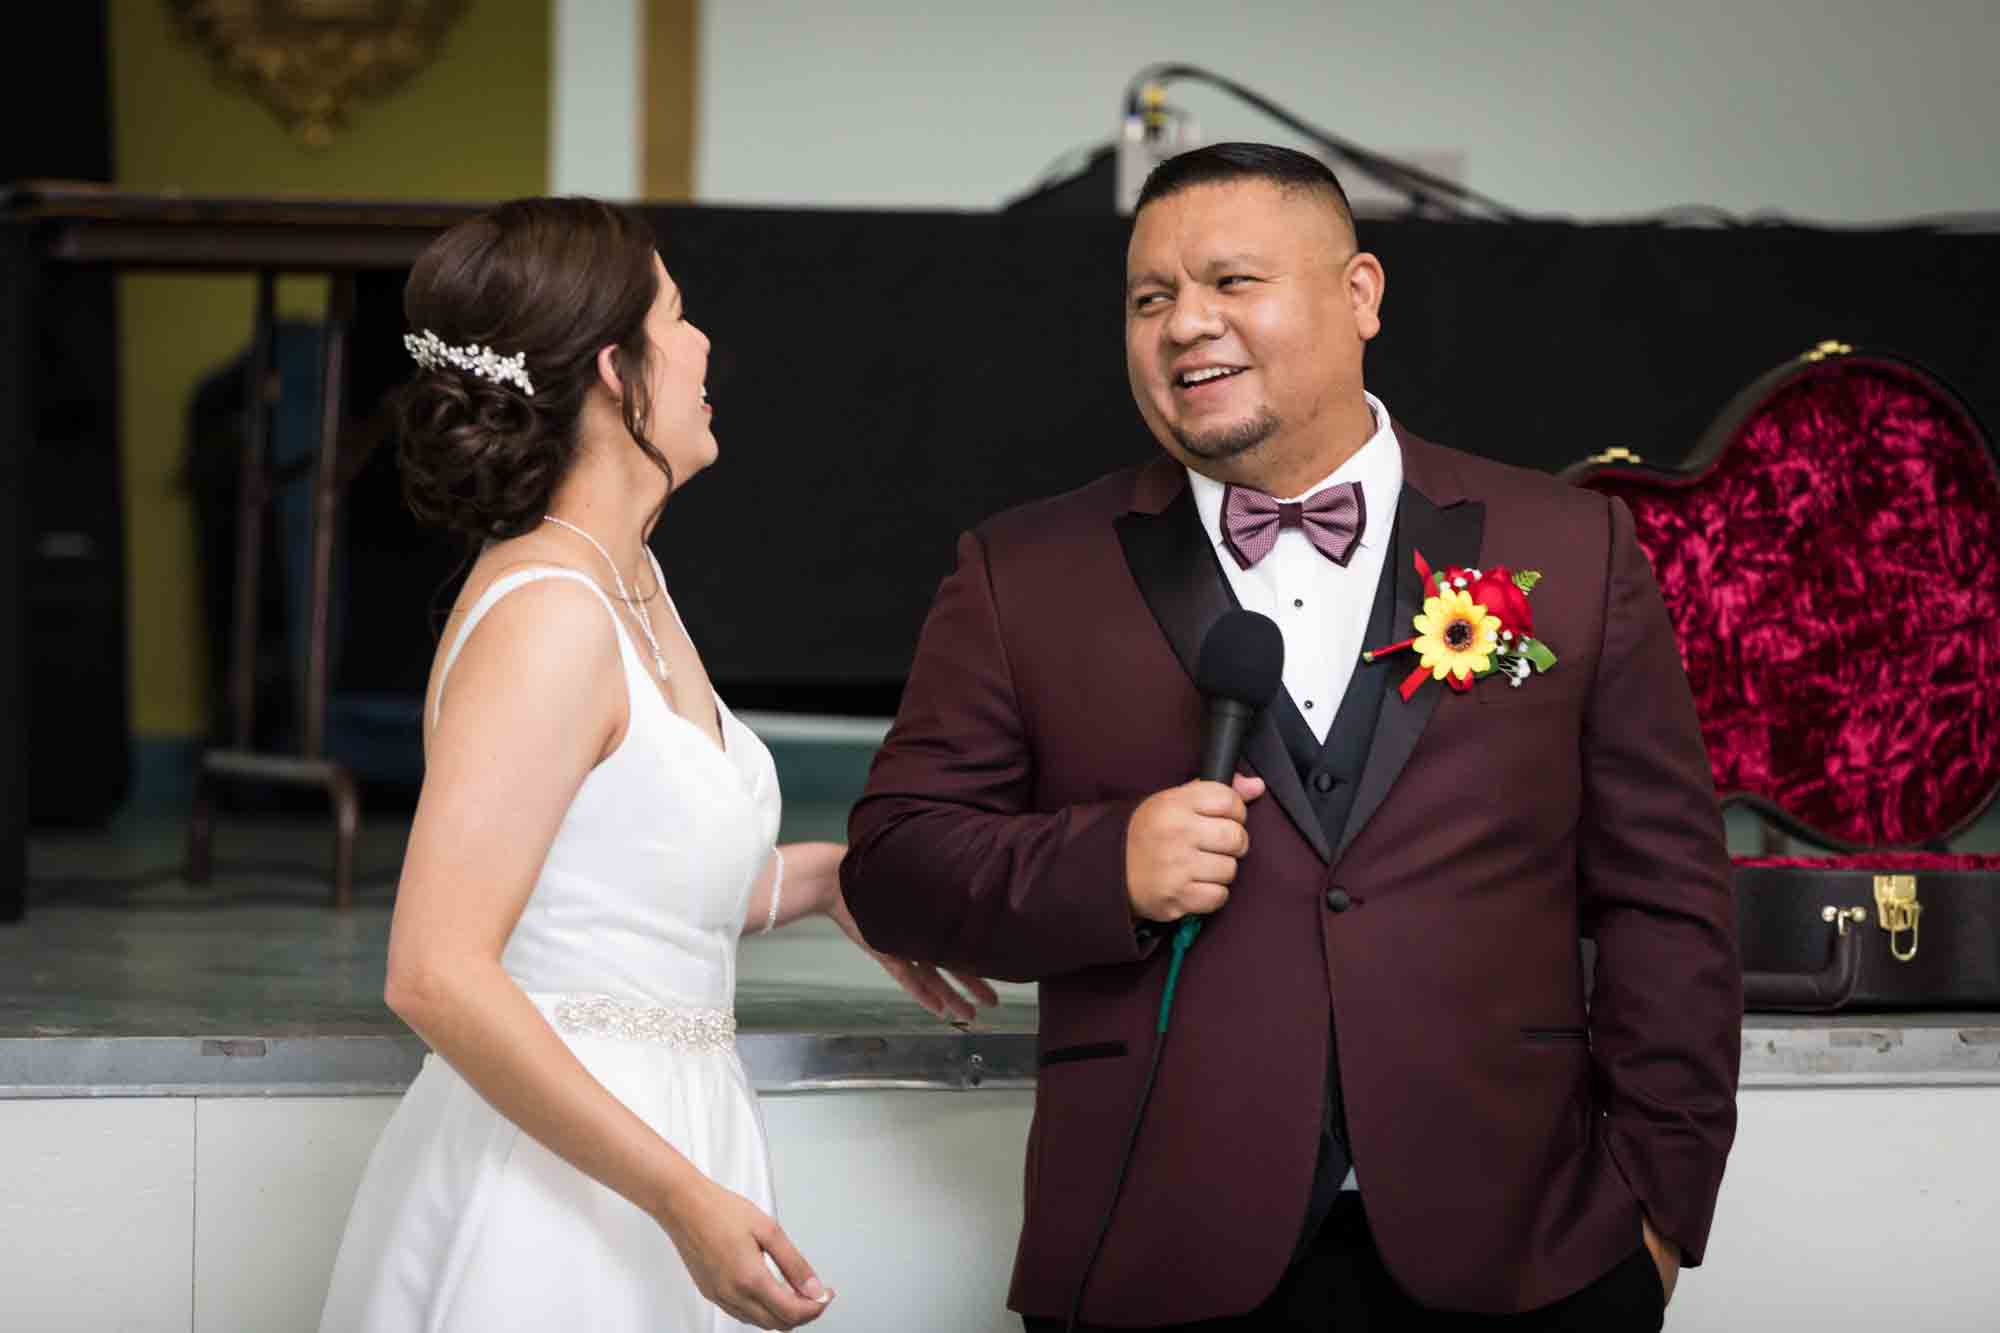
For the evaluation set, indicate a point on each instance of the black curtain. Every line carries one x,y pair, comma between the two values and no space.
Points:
66,448
884,380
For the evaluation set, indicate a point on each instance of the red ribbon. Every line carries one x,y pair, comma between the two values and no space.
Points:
1409,686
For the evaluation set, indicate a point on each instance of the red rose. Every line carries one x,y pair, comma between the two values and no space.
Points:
1496,590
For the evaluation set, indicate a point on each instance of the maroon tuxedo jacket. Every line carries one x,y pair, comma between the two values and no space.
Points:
1506,1127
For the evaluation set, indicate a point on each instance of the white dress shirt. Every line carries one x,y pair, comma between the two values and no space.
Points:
1320,607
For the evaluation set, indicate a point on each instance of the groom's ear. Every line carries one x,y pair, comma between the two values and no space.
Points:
607,373
1365,282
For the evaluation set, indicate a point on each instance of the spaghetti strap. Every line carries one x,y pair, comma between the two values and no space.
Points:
499,588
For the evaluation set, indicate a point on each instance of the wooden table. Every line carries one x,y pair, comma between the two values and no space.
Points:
53,223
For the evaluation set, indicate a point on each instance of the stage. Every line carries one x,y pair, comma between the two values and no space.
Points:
252,985
191,1080
124,976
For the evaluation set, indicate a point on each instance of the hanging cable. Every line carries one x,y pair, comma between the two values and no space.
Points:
1145,100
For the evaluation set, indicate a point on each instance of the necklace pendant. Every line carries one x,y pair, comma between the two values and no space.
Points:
660,665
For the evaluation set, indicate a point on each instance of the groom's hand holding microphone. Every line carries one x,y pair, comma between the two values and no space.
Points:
1183,844
1182,847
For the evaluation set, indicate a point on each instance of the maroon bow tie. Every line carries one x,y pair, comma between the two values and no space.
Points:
1332,521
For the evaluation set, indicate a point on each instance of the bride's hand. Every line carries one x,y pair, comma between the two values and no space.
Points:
723,1238
925,983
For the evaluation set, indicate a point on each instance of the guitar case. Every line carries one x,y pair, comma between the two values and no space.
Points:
1830,558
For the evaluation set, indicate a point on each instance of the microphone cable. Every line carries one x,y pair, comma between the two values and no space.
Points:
1238,671
1184,936
1424,188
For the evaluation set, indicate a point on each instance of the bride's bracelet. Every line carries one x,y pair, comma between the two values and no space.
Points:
777,892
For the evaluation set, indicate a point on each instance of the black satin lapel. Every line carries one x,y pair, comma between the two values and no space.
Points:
1447,536
1173,562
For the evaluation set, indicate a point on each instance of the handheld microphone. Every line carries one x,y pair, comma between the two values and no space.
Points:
1241,664
1239,669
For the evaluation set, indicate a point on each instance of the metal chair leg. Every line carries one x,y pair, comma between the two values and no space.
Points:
239,761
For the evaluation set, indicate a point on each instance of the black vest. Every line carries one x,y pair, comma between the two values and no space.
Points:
1331,772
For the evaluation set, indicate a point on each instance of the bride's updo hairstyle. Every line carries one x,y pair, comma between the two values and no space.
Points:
507,312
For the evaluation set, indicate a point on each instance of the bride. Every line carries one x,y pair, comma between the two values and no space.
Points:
595,831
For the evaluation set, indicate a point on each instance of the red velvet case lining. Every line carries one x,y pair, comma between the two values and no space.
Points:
1833,583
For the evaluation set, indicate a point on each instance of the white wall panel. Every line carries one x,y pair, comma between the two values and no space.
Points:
274,1178
96,1212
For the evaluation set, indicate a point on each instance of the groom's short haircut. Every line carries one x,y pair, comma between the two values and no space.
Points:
1222,163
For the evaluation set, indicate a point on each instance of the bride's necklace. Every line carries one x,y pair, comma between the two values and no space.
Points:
639,608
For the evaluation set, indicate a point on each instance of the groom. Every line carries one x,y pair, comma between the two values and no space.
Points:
1386,1099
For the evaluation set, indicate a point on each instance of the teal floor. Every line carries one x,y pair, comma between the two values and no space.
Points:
117,943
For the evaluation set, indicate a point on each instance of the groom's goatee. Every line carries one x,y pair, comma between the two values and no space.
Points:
1230,441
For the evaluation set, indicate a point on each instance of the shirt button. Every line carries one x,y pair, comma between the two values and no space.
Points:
1309,705
1322,781
1337,900
1298,601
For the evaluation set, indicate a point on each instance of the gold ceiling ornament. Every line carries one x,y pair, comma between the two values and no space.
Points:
307,60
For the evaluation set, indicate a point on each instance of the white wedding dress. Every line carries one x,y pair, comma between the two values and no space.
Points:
628,946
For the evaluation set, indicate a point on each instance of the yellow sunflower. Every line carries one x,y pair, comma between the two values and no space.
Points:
1455,635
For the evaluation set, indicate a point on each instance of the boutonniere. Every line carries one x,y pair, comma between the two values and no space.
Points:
1475,623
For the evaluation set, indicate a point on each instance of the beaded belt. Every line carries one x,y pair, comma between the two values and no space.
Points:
683,1029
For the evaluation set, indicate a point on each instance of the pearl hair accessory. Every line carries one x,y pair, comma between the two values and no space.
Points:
433,353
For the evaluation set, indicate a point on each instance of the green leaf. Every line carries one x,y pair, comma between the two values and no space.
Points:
1526,579
1538,653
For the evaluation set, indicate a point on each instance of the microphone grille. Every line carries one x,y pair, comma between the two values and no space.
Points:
1242,658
